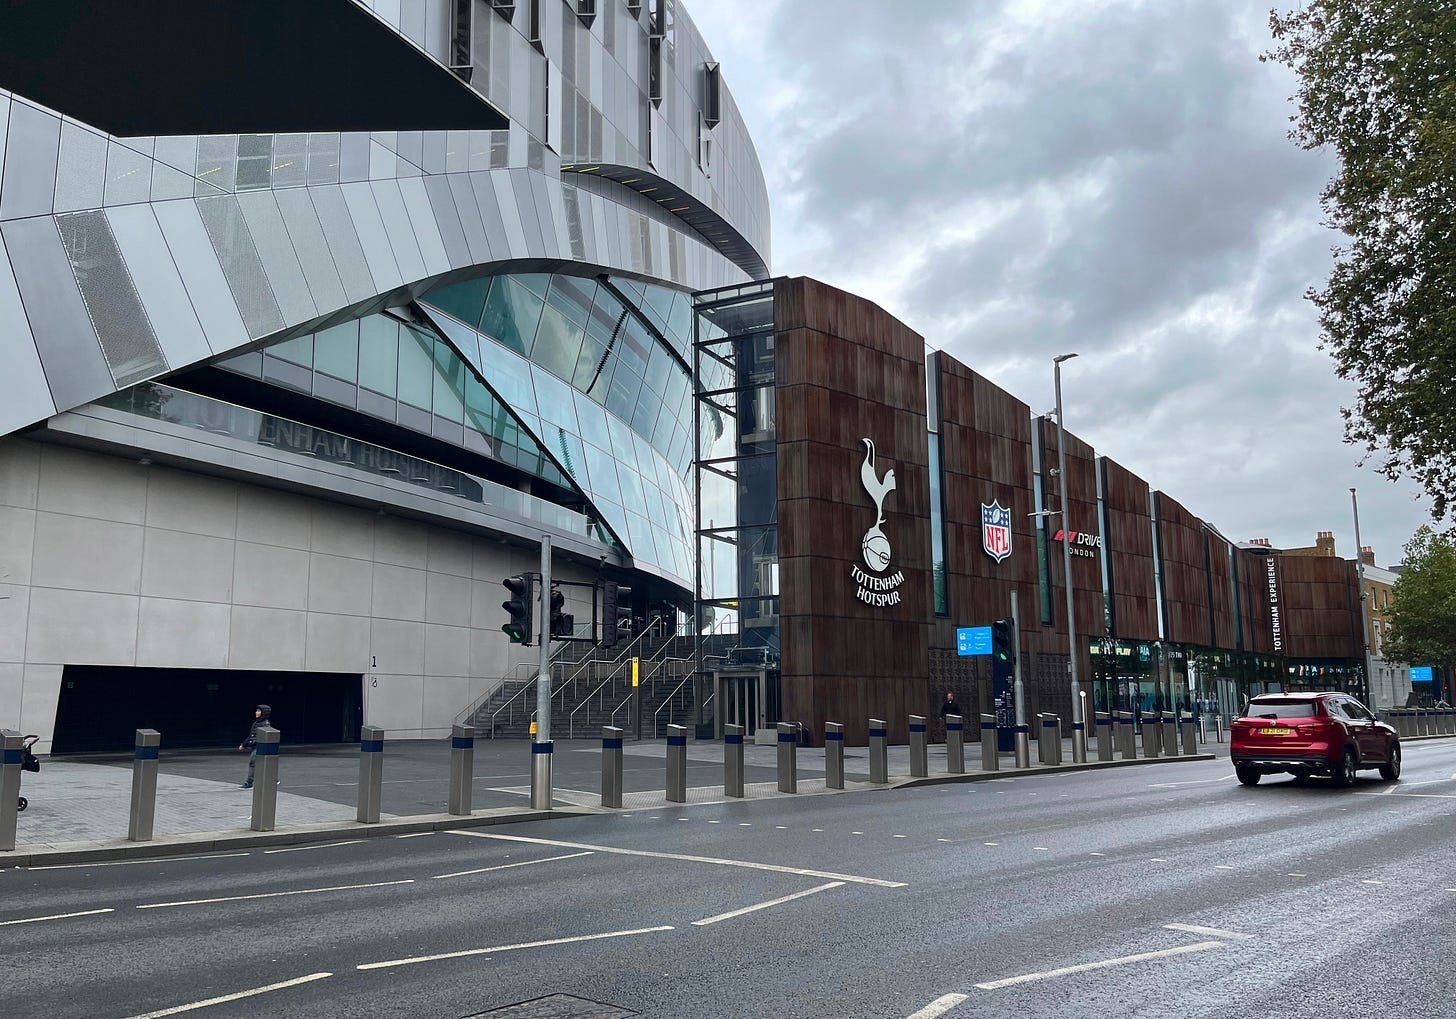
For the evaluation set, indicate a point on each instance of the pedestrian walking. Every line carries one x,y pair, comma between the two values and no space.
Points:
261,714
950,707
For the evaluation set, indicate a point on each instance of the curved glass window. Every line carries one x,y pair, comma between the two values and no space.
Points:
512,313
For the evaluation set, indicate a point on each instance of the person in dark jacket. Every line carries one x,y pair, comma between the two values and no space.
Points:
261,714
950,707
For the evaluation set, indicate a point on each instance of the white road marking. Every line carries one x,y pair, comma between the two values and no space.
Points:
1157,859
1096,854
940,1006
715,822
509,948
990,843
1212,932
765,905
942,840
132,863
899,836
1041,849
273,895
233,997
58,916
745,824
325,845
686,858
856,833
508,866
782,827
816,829
1295,873
1223,866
1202,946
415,834
1369,882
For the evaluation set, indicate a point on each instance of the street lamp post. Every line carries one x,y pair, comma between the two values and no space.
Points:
1364,606
1079,731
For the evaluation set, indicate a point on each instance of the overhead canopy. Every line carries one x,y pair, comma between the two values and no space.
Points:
178,67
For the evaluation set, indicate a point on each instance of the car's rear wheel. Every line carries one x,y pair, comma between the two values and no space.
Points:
1390,770
1349,765
1248,776
22,804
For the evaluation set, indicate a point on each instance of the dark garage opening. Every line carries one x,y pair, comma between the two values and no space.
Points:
101,707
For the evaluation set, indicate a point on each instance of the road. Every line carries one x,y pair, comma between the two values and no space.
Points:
1149,891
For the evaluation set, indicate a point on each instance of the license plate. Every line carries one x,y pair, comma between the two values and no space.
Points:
1276,730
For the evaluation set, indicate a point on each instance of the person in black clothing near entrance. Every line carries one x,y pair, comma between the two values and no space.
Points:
950,707
261,714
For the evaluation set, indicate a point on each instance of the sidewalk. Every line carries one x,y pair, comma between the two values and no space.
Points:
79,807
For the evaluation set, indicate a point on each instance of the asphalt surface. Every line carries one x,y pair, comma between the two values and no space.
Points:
1042,896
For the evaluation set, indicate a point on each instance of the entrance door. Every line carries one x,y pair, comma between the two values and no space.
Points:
743,700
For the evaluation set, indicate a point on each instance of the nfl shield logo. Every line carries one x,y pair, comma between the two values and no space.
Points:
996,530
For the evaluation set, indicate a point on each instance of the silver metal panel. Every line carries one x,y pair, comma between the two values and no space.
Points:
31,149
472,213
81,173
508,214
202,274
338,226
520,185
24,395
447,218
159,284
372,236
169,183
427,232
312,248
128,176
280,261
73,361
233,245
553,215
397,224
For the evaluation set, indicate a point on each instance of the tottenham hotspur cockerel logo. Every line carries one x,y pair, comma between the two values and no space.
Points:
876,546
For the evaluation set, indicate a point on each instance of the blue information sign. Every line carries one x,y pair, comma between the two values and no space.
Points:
1419,673
973,640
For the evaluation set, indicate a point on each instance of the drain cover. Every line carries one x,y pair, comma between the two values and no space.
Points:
557,1006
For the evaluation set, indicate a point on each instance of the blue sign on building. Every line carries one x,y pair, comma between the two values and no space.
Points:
973,640
1419,673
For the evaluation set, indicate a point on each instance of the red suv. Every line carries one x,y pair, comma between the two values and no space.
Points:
1308,734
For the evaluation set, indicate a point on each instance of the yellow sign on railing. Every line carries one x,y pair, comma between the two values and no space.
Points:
635,676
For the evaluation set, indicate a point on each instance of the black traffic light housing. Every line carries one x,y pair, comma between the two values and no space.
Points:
1003,640
616,607
522,596
562,624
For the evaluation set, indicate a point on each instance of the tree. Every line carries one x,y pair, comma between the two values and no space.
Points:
1423,603
1377,86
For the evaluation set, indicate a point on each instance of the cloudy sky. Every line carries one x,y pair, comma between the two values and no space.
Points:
1016,179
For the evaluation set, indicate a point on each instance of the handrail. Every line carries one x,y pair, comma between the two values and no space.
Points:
667,702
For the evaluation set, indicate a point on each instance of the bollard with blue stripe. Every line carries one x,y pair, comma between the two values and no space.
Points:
462,769
990,752
955,746
12,753
1048,740
833,755
371,773
879,752
611,766
265,779
1189,730
677,764
1104,735
733,761
919,761
788,757
541,798
1023,745
1170,734
1126,736
1152,735
144,785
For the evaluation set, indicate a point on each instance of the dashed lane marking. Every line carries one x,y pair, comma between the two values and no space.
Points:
1295,873
686,858
510,948
990,843
1223,866
1202,946
1212,932
133,863
1367,881
1096,854
765,905
178,1009
57,916
940,1006
274,895
324,845
415,834
508,866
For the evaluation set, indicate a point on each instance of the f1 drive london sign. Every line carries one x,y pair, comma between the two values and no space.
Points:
876,590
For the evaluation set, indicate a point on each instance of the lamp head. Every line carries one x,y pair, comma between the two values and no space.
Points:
1062,357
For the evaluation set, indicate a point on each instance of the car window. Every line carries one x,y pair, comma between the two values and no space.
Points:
1280,709
1356,710
1339,709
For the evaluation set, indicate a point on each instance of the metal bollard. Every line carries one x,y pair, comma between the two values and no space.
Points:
462,768
1152,736
1170,734
1126,736
611,766
12,753
1046,734
371,773
541,774
1023,746
955,745
265,779
788,757
990,759
1218,727
733,761
1448,717
144,785
677,764
919,762
1104,736
879,752
1190,734
1057,743
1423,722
833,755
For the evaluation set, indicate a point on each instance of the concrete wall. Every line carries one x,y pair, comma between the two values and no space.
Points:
106,561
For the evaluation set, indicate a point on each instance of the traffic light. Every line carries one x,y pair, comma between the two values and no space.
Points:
521,589
1003,640
562,625
616,606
